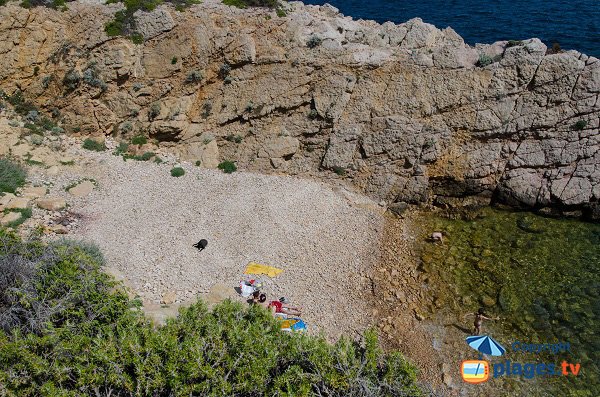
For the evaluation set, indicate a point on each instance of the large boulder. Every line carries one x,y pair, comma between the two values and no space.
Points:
151,24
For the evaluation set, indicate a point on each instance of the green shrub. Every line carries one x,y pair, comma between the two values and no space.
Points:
579,125
513,43
37,140
195,76
70,330
224,70
121,149
227,167
280,12
157,160
154,111
313,114
93,145
174,61
251,3
12,175
137,38
71,79
234,138
139,140
91,76
198,163
177,172
206,109
314,41
144,157
20,104
484,60
57,130
339,170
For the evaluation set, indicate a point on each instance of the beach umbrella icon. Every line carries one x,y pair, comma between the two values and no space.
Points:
486,345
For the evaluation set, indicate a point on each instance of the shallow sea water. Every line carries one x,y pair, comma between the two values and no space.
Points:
541,276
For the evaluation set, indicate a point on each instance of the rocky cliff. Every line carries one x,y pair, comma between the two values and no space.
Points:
409,113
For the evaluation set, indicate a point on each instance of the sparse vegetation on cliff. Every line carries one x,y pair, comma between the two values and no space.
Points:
124,23
67,328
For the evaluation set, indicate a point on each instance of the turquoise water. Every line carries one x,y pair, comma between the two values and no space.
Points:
573,24
541,276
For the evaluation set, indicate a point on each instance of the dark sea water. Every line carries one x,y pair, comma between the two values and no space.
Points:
574,24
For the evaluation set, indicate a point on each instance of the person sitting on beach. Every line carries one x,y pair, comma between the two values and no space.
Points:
258,298
280,307
479,317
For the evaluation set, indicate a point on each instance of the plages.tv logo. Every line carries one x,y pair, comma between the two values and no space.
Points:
475,371
478,371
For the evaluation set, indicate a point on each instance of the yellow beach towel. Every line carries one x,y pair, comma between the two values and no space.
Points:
257,268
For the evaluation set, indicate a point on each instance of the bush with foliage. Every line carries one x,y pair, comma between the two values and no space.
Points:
513,43
484,60
252,3
154,111
579,125
224,70
12,175
314,41
177,172
195,76
227,167
139,140
69,330
21,105
93,145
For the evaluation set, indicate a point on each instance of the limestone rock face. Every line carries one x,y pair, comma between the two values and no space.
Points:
409,111
279,147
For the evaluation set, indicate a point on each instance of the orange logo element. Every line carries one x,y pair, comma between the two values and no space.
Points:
475,371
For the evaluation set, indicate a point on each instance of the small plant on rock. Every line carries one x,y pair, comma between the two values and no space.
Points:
224,70
174,61
484,60
339,170
234,138
154,111
91,76
195,76
580,125
513,43
314,41
177,172
227,167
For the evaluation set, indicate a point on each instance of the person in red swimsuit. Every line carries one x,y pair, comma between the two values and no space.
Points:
280,307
